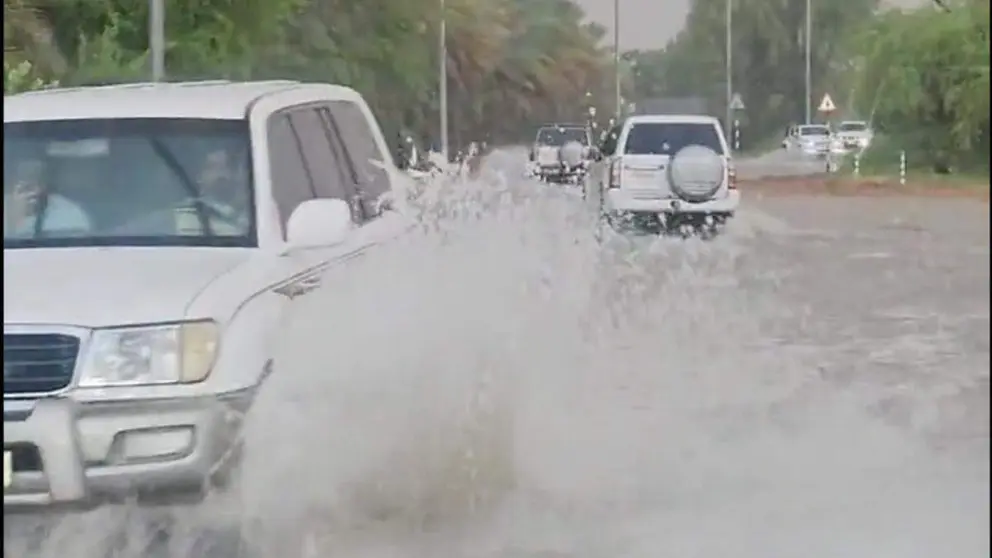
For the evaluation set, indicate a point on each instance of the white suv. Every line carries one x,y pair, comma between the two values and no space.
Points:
154,237
676,168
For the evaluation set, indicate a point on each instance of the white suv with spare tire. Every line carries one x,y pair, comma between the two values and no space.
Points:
673,168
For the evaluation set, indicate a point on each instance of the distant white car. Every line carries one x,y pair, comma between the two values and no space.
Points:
155,238
813,140
676,169
853,135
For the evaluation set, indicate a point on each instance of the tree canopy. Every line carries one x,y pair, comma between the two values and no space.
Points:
768,56
510,62
921,76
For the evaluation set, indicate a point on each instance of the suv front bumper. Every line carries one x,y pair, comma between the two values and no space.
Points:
63,452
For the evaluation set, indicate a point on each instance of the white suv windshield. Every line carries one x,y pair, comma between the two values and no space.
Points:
814,131
127,182
668,138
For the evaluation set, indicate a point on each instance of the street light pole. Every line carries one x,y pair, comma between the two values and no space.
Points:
616,57
443,82
809,61
730,65
156,38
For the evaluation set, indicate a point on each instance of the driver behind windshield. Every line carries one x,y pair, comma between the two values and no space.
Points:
31,208
222,191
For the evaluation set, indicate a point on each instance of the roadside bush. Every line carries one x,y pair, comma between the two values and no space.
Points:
924,78
20,76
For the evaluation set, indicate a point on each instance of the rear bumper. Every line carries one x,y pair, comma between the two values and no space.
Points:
618,200
558,171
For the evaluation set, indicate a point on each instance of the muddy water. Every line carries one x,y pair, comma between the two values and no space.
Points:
505,383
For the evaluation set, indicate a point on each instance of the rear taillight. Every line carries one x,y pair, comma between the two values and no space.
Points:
615,168
731,177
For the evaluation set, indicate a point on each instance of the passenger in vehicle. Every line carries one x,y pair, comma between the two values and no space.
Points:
31,207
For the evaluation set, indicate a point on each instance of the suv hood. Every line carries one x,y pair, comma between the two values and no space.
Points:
99,287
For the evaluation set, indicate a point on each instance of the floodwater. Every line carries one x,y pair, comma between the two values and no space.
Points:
505,383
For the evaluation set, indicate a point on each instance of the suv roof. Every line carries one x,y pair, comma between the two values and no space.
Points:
219,99
666,118
563,125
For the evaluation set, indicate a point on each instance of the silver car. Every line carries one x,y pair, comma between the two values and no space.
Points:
809,139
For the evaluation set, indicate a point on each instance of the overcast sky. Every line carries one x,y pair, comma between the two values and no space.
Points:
651,23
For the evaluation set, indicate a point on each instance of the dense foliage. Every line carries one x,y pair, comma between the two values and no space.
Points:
511,62
769,57
921,76
924,78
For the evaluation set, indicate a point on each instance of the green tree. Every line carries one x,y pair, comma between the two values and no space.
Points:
768,56
923,75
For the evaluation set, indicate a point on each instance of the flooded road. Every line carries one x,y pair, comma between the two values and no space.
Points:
504,384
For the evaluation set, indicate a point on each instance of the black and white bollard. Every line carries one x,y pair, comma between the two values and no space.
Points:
737,135
902,168
857,164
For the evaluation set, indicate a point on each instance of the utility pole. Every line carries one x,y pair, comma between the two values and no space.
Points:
443,82
809,61
729,55
616,57
156,38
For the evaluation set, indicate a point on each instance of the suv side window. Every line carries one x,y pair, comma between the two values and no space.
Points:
359,141
327,174
290,181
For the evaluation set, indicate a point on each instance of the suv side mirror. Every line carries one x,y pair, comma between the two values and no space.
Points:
319,222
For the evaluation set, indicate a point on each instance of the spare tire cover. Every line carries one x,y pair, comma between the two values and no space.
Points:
696,172
571,154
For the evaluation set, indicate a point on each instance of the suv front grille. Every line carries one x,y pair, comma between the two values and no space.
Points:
38,362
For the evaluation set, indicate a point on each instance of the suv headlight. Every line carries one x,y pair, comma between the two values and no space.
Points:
154,354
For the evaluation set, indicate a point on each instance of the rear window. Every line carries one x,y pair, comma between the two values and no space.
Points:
814,131
668,138
561,136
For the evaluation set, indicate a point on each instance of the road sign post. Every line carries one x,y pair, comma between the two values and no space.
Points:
736,105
